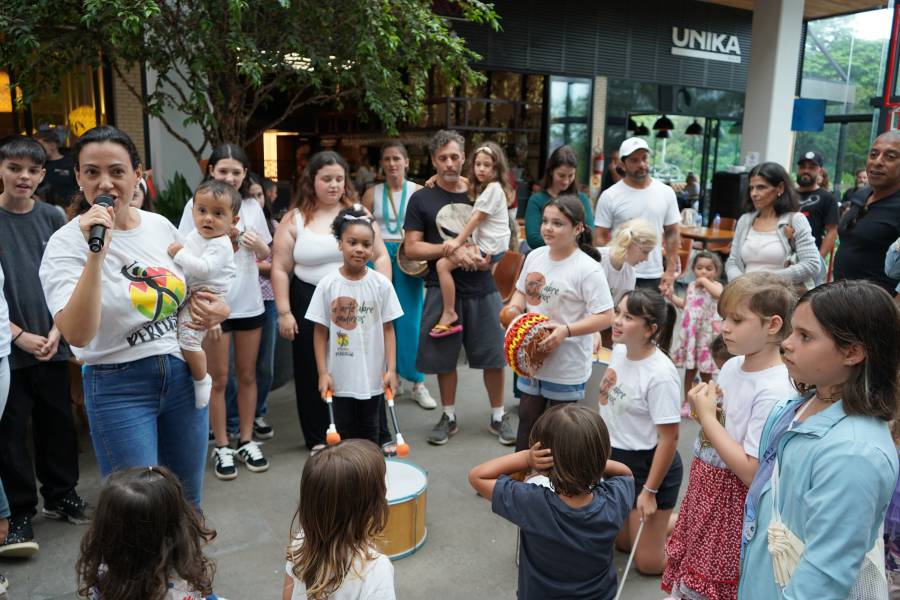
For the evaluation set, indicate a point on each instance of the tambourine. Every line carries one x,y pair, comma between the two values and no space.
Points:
413,268
521,344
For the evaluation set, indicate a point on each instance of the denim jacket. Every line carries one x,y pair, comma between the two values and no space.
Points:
837,476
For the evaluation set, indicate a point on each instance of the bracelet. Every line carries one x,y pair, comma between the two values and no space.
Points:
650,490
17,336
283,313
568,330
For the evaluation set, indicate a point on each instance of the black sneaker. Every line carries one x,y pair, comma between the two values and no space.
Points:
20,540
504,431
71,508
250,454
442,431
224,459
262,430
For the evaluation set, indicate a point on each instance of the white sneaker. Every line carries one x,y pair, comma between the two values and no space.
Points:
224,463
422,397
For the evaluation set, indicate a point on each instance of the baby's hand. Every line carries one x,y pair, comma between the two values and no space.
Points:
540,459
450,246
174,247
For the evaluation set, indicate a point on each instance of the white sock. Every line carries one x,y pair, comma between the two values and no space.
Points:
450,411
497,413
202,390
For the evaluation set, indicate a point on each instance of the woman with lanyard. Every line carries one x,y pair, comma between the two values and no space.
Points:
138,391
387,201
304,251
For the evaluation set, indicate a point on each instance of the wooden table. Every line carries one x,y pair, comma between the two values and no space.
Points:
707,235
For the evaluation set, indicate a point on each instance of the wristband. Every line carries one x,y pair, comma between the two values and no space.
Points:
17,336
650,490
568,330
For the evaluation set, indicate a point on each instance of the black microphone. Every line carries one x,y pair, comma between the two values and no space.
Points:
98,232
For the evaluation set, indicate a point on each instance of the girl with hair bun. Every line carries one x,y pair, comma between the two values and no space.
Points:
632,244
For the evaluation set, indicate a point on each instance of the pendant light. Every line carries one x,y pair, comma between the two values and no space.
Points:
632,125
694,128
663,122
663,134
641,130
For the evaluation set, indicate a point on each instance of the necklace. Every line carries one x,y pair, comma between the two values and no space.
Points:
828,399
398,214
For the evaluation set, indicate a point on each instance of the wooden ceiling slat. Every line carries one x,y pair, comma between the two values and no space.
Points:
814,9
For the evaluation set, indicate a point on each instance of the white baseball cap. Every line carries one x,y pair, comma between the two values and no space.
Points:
631,145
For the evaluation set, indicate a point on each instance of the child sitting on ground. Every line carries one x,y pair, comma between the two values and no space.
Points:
568,530
207,258
145,541
342,510
488,227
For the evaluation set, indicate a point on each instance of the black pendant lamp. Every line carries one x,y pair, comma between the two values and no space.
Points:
663,133
663,122
641,130
694,128
632,124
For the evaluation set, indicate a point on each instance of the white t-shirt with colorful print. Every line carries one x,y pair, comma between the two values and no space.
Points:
142,288
355,313
567,291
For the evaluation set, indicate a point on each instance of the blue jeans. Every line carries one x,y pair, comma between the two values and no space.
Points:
142,413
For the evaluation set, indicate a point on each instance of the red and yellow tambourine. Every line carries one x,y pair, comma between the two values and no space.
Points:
521,344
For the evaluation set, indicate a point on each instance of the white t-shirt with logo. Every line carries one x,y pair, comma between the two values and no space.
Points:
638,395
142,288
492,236
244,296
355,313
747,399
566,291
621,281
655,203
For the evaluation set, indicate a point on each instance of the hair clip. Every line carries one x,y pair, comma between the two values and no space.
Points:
484,149
361,218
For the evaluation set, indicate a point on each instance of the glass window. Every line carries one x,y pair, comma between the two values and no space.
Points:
569,121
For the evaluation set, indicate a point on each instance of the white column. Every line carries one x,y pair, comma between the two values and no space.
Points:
771,80
598,129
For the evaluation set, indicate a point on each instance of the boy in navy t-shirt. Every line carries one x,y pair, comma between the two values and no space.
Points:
568,530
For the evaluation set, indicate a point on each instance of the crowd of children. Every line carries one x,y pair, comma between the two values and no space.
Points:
792,473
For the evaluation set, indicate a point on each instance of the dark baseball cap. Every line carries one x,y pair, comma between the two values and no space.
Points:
813,156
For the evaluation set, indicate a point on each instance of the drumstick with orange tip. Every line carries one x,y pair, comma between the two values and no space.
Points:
402,446
332,436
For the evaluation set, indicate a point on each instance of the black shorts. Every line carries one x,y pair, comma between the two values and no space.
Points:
244,324
639,462
482,335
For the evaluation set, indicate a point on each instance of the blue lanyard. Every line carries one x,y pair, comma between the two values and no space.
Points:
395,228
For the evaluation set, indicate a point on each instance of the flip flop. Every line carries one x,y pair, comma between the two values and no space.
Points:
440,330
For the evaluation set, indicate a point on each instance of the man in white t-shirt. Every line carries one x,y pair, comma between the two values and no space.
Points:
638,195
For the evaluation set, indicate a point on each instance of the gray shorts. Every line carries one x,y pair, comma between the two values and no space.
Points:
481,336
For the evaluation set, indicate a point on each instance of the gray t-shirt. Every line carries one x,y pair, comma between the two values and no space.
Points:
24,237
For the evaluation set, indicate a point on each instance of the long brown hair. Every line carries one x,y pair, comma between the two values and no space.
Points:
501,169
143,531
859,312
564,156
570,206
305,198
579,440
342,511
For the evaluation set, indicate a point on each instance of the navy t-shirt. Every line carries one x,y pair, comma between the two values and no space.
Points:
866,233
566,552
421,215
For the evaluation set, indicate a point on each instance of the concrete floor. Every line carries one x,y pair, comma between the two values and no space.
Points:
470,553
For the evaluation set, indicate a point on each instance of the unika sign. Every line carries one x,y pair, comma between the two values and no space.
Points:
707,45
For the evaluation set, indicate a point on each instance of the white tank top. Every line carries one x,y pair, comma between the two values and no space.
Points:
378,203
315,254
762,251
